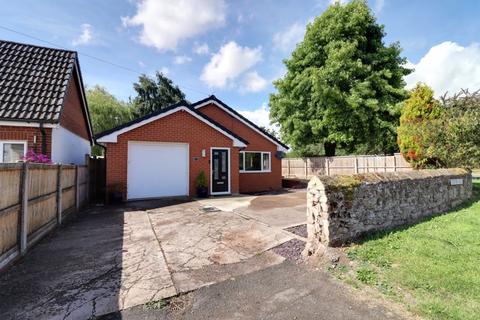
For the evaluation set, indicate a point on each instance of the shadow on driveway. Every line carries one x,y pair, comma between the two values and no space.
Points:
105,260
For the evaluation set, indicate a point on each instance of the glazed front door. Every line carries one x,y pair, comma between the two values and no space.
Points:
220,171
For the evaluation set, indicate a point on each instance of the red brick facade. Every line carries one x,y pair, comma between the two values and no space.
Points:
177,127
73,117
182,127
31,135
250,182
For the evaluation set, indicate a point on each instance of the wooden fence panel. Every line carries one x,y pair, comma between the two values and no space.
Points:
33,198
41,212
42,180
10,179
304,168
8,229
68,176
68,199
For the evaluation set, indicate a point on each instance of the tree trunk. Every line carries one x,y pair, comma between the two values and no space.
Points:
330,148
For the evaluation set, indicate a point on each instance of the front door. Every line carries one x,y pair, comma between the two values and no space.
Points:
220,171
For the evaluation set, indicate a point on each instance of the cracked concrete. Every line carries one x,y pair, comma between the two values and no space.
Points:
111,259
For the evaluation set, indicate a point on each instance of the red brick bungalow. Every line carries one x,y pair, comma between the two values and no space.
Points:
162,153
42,104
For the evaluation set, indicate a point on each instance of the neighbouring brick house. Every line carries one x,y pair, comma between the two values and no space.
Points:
42,104
162,153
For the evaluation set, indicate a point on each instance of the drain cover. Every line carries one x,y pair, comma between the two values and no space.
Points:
208,208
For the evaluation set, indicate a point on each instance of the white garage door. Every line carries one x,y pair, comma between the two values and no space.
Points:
157,170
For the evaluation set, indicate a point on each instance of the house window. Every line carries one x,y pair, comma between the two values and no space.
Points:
254,161
12,151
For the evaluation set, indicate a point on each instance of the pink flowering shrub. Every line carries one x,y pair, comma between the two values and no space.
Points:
31,156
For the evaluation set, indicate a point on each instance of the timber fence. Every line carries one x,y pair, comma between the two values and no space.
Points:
305,168
34,199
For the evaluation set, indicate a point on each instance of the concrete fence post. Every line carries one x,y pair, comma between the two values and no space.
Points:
327,167
59,195
77,189
306,168
394,163
356,165
23,230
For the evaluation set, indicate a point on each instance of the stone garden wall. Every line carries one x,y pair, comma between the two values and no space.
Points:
342,208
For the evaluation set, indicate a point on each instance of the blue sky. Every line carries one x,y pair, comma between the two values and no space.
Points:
234,49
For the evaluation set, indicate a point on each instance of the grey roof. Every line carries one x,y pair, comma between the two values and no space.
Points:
33,81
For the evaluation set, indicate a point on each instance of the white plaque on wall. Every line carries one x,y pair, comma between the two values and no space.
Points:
456,182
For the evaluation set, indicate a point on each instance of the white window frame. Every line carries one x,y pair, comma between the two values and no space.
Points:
261,163
2,142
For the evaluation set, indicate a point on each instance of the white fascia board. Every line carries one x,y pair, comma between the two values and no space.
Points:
27,124
279,146
113,137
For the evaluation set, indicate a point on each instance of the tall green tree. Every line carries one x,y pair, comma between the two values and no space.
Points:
342,84
154,94
106,111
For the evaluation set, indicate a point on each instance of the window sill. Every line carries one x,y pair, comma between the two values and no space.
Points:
242,171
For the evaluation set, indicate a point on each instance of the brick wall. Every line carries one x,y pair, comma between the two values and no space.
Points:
73,117
177,127
28,134
249,182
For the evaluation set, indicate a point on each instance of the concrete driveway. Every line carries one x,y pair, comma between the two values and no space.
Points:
115,258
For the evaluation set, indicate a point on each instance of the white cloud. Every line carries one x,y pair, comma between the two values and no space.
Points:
164,22
182,59
378,6
448,66
287,39
201,48
141,64
85,37
260,117
253,82
228,63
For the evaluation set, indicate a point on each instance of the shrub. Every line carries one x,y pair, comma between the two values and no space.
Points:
417,130
31,156
441,133
458,135
201,180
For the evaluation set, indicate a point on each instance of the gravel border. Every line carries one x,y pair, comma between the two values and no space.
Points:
300,230
291,250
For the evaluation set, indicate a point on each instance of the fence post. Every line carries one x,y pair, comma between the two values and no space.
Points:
288,167
356,165
59,195
77,189
327,166
394,163
306,168
24,210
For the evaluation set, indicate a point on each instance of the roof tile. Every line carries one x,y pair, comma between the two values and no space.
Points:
33,81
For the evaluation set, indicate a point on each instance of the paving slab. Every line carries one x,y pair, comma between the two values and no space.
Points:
192,240
280,210
103,262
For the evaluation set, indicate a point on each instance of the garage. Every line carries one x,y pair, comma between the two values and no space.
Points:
157,170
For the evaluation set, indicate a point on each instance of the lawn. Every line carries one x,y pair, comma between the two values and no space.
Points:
432,267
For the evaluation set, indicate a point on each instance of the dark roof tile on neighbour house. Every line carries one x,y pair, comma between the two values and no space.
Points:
172,107
238,115
33,81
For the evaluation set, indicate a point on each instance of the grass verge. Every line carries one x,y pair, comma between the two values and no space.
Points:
432,267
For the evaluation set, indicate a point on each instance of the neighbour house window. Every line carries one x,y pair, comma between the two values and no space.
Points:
12,151
253,161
